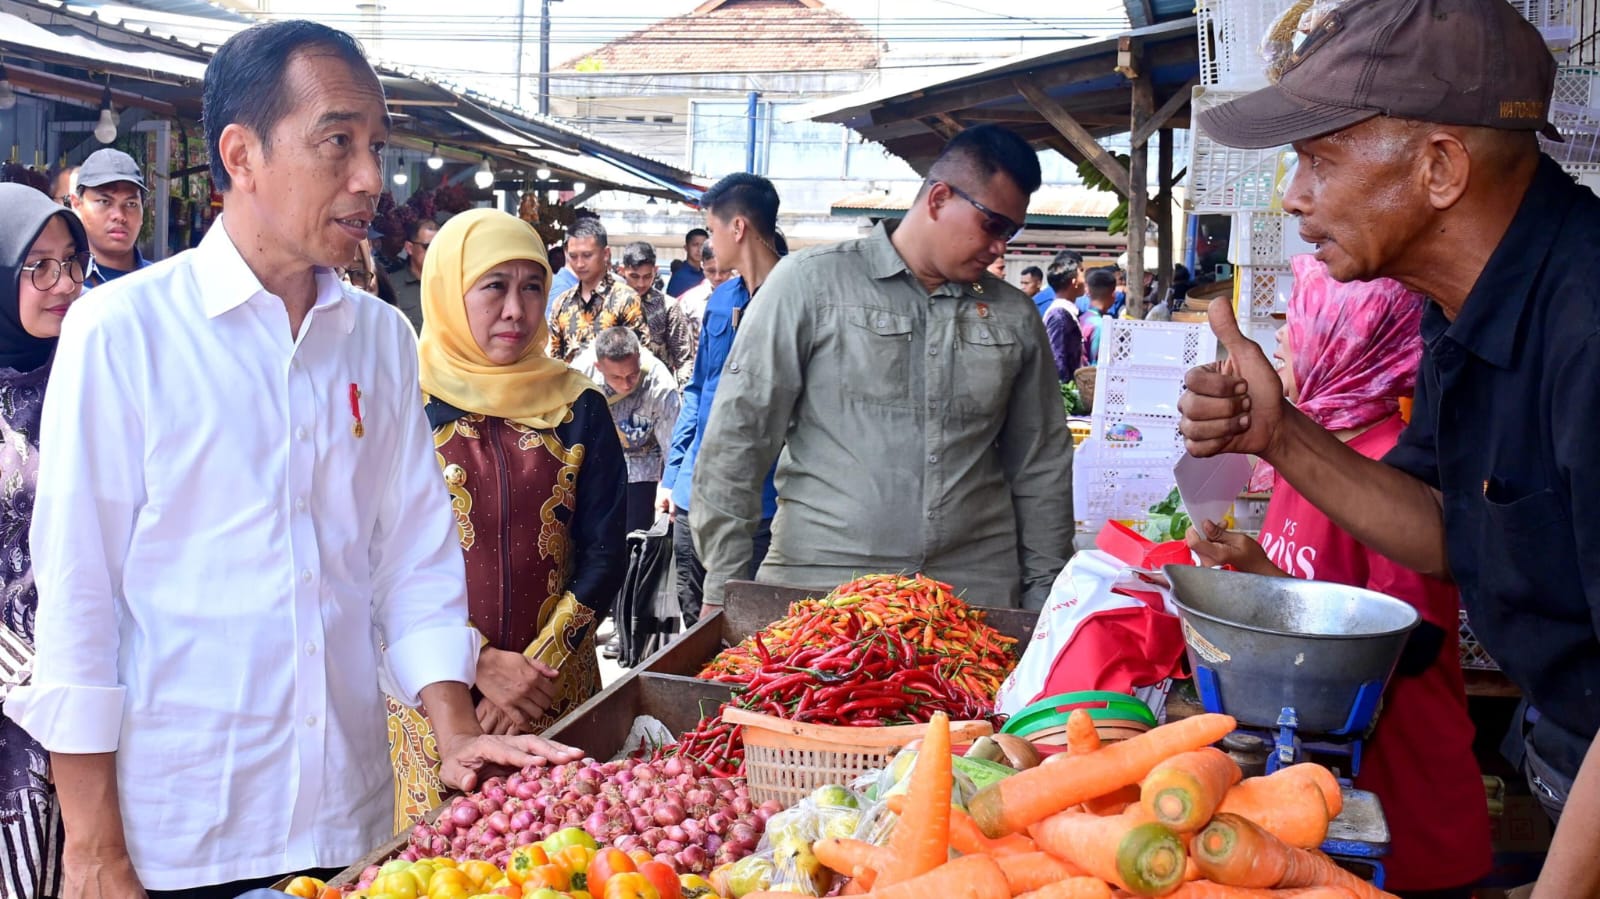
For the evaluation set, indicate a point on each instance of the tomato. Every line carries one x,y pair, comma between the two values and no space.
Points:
510,891
552,876
569,836
575,860
331,893
631,886
579,894
400,885
546,893
640,856
696,887
448,879
481,872
523,860
423,872
394,866
606,864
663,878
305,887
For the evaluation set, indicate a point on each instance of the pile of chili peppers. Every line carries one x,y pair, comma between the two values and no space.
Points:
951,637
879,651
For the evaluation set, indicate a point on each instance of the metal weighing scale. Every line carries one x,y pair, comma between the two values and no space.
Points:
1302,666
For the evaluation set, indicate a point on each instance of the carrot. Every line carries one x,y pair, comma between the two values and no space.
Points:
1082,736
967,877
1141,856
1237,851
1113,803
1324,780
1035,870
966,838
1072,888
1290,808
854,887
921,839
1183,791
855,859
1205,889
1028,797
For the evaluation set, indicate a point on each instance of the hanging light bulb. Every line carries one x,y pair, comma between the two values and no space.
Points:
484,177
579,187
400,176
435,161
542,174
105,130
8,97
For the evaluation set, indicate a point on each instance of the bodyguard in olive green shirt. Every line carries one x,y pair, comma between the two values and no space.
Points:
909,398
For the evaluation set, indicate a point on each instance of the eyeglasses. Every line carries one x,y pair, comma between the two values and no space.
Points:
46,273
1000,227
359,277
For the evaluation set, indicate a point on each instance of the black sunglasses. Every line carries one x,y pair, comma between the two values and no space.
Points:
1000,227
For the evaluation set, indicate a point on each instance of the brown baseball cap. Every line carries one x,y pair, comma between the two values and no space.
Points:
1451,62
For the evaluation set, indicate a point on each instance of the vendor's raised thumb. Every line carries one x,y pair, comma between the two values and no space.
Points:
1226,327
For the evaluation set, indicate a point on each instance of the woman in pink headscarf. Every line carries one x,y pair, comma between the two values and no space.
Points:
1350,353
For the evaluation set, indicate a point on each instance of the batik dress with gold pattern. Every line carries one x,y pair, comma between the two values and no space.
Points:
540,516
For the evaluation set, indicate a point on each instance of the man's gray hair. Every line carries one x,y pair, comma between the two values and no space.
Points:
616,344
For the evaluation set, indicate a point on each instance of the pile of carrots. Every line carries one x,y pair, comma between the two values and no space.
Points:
1160,814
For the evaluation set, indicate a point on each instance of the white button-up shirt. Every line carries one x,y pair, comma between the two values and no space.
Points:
221,563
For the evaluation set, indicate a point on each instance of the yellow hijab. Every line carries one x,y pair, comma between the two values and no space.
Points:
536,390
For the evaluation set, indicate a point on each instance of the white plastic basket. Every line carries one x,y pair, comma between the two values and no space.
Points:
1262,238
1575,111
1259,292
1473,655
1227,179
1230,33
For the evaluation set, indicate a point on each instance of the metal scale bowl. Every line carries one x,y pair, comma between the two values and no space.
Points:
1302,666
1262,645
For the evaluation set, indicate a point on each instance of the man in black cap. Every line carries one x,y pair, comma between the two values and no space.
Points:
1415,123
110,201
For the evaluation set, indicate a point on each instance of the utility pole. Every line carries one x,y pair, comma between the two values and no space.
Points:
544,56
522,31
752,116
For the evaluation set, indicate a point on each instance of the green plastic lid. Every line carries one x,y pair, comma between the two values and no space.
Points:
1052,711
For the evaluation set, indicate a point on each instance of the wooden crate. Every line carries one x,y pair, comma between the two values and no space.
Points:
753,605
598,727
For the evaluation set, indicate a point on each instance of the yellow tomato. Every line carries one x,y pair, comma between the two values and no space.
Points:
481,872
450,891
305,887
400,886
448,878
442,862
394,865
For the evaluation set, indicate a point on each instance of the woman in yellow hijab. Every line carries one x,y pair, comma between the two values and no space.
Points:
536,475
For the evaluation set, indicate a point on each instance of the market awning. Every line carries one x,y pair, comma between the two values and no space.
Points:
83,51
1057,206
915,120
523,148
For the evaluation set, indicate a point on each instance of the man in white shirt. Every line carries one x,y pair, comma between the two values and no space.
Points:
240,533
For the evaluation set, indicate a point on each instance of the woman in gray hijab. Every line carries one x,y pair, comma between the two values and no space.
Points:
43,255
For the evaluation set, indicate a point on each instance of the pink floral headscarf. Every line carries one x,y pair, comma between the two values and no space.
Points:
1356,349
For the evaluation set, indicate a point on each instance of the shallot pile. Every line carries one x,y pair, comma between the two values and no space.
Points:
670,807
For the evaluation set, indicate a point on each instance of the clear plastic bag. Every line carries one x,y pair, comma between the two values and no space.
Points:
783,860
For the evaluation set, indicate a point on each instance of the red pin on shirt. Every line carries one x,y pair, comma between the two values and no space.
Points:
358,428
